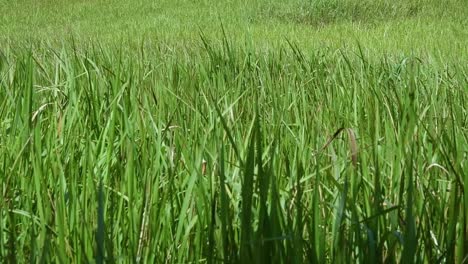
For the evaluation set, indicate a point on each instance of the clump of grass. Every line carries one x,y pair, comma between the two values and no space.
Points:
92,172
320,13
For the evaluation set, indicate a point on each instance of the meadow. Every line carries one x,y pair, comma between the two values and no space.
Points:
233,132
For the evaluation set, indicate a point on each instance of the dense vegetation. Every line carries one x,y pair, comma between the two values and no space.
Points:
228,148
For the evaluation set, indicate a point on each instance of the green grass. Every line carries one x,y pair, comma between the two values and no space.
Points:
382,26
292,133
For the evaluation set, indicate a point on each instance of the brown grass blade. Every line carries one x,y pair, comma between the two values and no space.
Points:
352,143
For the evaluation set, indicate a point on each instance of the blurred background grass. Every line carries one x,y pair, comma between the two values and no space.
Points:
418,27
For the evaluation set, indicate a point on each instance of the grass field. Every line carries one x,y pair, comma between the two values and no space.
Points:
233,131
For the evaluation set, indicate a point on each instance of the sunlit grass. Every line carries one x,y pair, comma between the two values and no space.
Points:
231,154
231,131
423,27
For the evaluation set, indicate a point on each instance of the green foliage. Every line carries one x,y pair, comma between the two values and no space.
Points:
230,154
417,27
296,132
